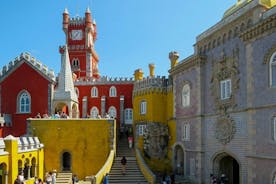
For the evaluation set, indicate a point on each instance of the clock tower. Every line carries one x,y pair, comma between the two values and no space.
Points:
81,35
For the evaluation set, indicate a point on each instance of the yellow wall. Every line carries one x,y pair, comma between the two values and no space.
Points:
87,140
13,155
159,110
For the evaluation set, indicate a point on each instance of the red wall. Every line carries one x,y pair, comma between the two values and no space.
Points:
23,78
103,90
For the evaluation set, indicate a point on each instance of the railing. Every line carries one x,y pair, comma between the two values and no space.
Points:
97,179
148,174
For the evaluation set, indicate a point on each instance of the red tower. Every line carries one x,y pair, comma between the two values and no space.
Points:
81,35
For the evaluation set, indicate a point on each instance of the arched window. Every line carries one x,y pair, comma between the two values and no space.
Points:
112,91
24,102
94,112
186,95
272,68
75,64
229,34
77,91
112,112
274,179
94,92
242,27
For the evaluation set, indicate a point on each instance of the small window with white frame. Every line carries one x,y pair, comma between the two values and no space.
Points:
272,70
112,91
94,92
141,130
186,95
186,132
225,89
143,107
24,102
128,116
112,112
274,129
94,112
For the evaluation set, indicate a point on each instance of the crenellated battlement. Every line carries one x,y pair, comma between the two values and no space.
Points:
103,80
30,59
77,21
151,85
24,144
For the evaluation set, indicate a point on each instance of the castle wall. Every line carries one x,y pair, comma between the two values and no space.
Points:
87,141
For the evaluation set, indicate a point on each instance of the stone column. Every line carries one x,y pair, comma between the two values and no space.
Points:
122,108
35,169
103,106
6,173
29,172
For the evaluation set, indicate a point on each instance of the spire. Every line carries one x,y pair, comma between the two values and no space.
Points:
65,89
87,10
66,11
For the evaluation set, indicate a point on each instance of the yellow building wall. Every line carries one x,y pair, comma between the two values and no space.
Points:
159,110
13,156
87,140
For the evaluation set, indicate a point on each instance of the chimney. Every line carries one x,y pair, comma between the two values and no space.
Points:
151,69
173,56
138,74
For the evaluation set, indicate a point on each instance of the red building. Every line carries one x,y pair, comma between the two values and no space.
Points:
28,88
97,95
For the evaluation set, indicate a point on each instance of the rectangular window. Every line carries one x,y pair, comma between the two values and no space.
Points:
186,132
274,129
143,107
128,116
225,89
142,129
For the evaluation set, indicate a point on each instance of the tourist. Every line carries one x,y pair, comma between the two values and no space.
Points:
38,115
48,178
54,176
123,163
75,179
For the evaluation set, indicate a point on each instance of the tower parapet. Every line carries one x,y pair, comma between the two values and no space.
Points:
102,80
151,84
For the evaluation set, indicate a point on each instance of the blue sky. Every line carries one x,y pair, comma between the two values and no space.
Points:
131,33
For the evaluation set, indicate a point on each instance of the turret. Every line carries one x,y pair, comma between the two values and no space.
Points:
173,56
151,69
65,20
138,74
88,20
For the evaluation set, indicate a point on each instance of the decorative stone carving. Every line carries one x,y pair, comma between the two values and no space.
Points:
225,68
225,129
156,138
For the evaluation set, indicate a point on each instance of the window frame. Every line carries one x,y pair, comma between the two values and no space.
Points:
186,98
26,107
272,62
94,92
143,107
141,129
225,89
112,109
93,110
186,132
128,116
112,91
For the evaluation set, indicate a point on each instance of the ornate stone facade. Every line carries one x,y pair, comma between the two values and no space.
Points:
230,135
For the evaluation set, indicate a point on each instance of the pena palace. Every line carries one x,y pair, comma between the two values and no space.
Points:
211,120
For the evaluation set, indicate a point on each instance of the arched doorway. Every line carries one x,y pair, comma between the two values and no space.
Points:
179,160
227,165
66,161
3,171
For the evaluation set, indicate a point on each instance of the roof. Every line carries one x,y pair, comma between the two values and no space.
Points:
32,62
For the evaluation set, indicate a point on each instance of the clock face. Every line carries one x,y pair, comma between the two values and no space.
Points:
76,34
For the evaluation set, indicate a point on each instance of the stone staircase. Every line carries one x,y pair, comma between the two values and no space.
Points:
133,174
64,178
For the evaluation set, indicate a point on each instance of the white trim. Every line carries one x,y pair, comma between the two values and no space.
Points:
272,70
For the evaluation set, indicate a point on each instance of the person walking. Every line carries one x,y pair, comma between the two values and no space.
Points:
123,163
